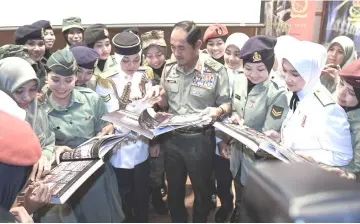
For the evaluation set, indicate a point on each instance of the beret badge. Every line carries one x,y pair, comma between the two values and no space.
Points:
256,57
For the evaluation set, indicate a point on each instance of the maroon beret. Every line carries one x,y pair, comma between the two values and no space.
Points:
351,73
214,31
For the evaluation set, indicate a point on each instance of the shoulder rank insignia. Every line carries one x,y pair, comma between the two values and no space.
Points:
147,71
214,65
170,61
276,112
324,97
106,98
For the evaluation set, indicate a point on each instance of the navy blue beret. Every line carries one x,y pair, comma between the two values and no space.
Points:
44,24
126,43
95,33
28,32
258,49
85,57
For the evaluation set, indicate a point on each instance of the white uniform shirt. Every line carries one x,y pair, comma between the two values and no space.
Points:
136,150
319,131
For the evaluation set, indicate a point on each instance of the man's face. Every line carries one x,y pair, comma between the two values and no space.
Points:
182,50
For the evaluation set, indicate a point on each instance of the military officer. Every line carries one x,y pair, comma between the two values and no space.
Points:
49,37
72,30
75,116
316,126
86,59
348,96
214,38
32,37
130,159
192,84
258,102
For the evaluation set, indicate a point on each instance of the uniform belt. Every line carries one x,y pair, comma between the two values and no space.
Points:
192,130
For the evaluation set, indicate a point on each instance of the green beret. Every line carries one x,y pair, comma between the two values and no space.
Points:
72,22
62,62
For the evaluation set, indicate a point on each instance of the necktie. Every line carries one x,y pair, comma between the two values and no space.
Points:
293,101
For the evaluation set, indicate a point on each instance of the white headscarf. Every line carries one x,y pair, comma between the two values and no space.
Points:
238,40
309,60
283,47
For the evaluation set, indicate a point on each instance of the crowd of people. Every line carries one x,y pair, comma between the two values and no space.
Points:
301,94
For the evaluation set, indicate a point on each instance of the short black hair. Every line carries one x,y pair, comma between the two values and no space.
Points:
194,32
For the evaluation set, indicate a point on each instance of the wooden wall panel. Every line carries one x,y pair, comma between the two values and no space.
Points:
7,36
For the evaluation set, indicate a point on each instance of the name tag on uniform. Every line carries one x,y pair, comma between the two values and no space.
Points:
171,81
204,80
237,97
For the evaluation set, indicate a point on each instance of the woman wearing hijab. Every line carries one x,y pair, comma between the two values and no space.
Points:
283,47
234,64
316,126
214,38
348,96
341,52
19,80
258,102
16,159
130,158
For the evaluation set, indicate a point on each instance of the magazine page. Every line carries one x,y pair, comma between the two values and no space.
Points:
256,140
66,178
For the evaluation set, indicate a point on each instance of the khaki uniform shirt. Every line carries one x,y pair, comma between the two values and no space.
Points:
207,85
80,121
263,109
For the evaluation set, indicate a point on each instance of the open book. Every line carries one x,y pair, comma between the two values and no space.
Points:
76,167
151,124
259,141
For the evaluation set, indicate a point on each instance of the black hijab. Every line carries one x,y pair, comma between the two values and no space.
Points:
357,94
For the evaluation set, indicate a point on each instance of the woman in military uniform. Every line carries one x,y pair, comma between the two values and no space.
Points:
154,51
49,37
214,38
233,63
72,31
22,84
32,37
348,96
316,126
86,59
75,116
130,159
259,102
341,52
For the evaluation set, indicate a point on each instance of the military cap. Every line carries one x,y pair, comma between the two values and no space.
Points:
85,57
28,32
44,24
71,22
95,32
258,49
126,43
214,31
62,62
154,37
133,30
351,73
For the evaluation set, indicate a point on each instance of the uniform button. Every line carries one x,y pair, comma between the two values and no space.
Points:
242,109
70,122
245,98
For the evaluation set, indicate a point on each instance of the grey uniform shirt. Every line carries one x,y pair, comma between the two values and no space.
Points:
207,85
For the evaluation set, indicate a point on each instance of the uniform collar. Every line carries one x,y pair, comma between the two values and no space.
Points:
199,66
76,98
258,88
109,66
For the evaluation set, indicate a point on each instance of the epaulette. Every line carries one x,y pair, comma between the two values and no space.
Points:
170,62
147,71
214,65
324,97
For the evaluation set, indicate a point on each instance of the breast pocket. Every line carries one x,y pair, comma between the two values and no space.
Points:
202,97
172,85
